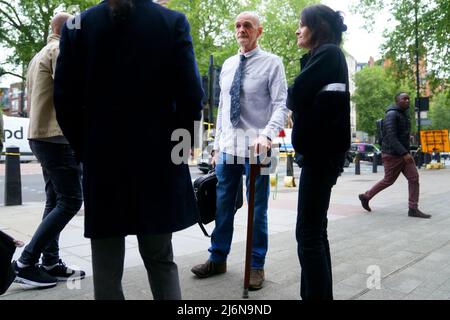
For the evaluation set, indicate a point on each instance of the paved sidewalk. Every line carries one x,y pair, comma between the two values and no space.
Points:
411,255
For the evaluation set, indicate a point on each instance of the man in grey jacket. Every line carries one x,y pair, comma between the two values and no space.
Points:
396,156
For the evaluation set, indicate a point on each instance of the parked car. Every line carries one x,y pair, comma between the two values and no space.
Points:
366,152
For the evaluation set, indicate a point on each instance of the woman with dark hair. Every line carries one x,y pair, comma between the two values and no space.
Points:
320,102
126,79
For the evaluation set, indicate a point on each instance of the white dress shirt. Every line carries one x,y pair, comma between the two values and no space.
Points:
262,102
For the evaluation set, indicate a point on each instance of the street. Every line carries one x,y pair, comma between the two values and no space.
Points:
33,189
410,254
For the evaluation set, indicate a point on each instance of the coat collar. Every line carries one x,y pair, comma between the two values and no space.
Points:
53,37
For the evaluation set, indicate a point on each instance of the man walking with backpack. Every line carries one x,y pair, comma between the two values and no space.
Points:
396,157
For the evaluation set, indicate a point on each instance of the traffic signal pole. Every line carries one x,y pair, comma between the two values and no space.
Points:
417,104
211,90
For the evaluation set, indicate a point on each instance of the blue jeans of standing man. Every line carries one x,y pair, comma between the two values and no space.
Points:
229,170
62,175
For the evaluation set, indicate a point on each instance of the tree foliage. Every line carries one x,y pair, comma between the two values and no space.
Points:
399,45
25,26
375,90
440,111
212,28
280,20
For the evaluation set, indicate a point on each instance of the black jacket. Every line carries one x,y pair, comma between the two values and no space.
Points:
120,92
321,118
396,131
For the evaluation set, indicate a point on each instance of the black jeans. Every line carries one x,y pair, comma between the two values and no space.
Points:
316,182
62,177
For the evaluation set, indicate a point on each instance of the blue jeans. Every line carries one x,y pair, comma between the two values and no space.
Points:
62,176
229,171
316,182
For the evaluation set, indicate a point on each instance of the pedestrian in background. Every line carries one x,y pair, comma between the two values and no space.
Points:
252,110
126,79
395,152
62,173
320,102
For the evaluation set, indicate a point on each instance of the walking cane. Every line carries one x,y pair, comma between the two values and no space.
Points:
254,171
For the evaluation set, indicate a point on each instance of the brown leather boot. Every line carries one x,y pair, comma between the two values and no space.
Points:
418,214
256,279
364,202
209,269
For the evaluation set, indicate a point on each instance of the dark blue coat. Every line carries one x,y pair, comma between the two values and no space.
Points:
120,92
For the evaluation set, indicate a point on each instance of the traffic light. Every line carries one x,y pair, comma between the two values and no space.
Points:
216,86
423,103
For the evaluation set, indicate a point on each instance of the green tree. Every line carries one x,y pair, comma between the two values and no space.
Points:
280,21
440,111
212,28
375,90
25,26
433,34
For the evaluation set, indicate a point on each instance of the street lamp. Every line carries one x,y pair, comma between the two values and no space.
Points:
417,104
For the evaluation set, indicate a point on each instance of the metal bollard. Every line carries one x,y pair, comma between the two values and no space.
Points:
13,184
375,163
419,163
357,164
289,180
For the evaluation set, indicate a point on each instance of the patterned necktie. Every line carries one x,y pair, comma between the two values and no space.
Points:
235,93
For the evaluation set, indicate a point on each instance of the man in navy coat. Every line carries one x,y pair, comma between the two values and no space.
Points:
126,79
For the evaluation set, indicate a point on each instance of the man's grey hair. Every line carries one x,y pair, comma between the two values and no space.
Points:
252,14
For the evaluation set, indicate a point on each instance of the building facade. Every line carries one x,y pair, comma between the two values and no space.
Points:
14,100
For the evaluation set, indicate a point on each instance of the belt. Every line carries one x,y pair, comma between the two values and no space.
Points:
335,87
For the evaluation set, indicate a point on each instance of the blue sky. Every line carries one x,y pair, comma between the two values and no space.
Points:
358,42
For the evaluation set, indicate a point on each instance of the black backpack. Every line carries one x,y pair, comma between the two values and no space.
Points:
205,194
380,125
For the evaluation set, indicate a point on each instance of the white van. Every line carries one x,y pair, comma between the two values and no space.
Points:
15,130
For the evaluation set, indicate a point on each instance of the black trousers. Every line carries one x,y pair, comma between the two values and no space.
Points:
108,257
316,182
64,198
